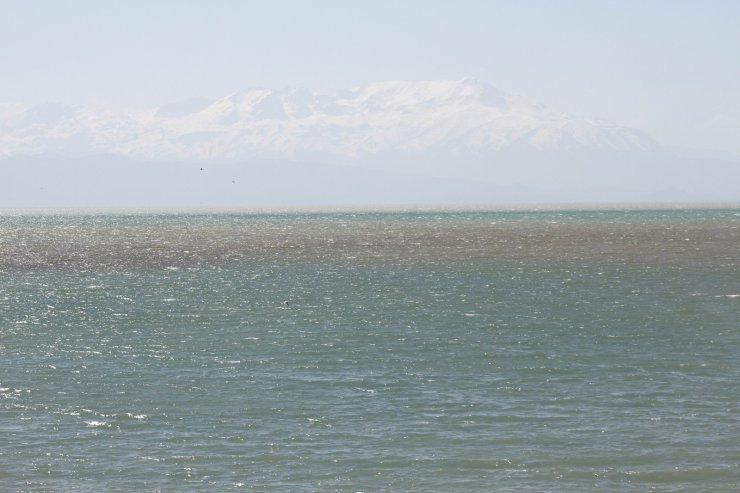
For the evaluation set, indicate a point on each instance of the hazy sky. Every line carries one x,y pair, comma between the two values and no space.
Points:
669,67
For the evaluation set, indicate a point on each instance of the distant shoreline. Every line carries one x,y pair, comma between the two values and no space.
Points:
390,208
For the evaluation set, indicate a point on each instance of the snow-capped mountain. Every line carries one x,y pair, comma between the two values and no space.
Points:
387,142
464,117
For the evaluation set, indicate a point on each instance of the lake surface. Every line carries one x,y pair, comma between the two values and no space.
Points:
572,351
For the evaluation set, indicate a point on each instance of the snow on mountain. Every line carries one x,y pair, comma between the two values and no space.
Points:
463,117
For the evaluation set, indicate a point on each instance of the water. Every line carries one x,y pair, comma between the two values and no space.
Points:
571,351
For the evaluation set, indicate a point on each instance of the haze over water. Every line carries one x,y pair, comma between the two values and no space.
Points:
376,351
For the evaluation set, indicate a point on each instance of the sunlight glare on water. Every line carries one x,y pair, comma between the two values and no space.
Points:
376,351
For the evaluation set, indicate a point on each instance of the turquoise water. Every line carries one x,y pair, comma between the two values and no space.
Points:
571,351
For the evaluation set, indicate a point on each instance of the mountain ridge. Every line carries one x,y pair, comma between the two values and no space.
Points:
430,141
465,115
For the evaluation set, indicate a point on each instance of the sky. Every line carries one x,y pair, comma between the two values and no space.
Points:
671,68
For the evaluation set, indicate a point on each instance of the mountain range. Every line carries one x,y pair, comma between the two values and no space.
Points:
462,116
461,135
